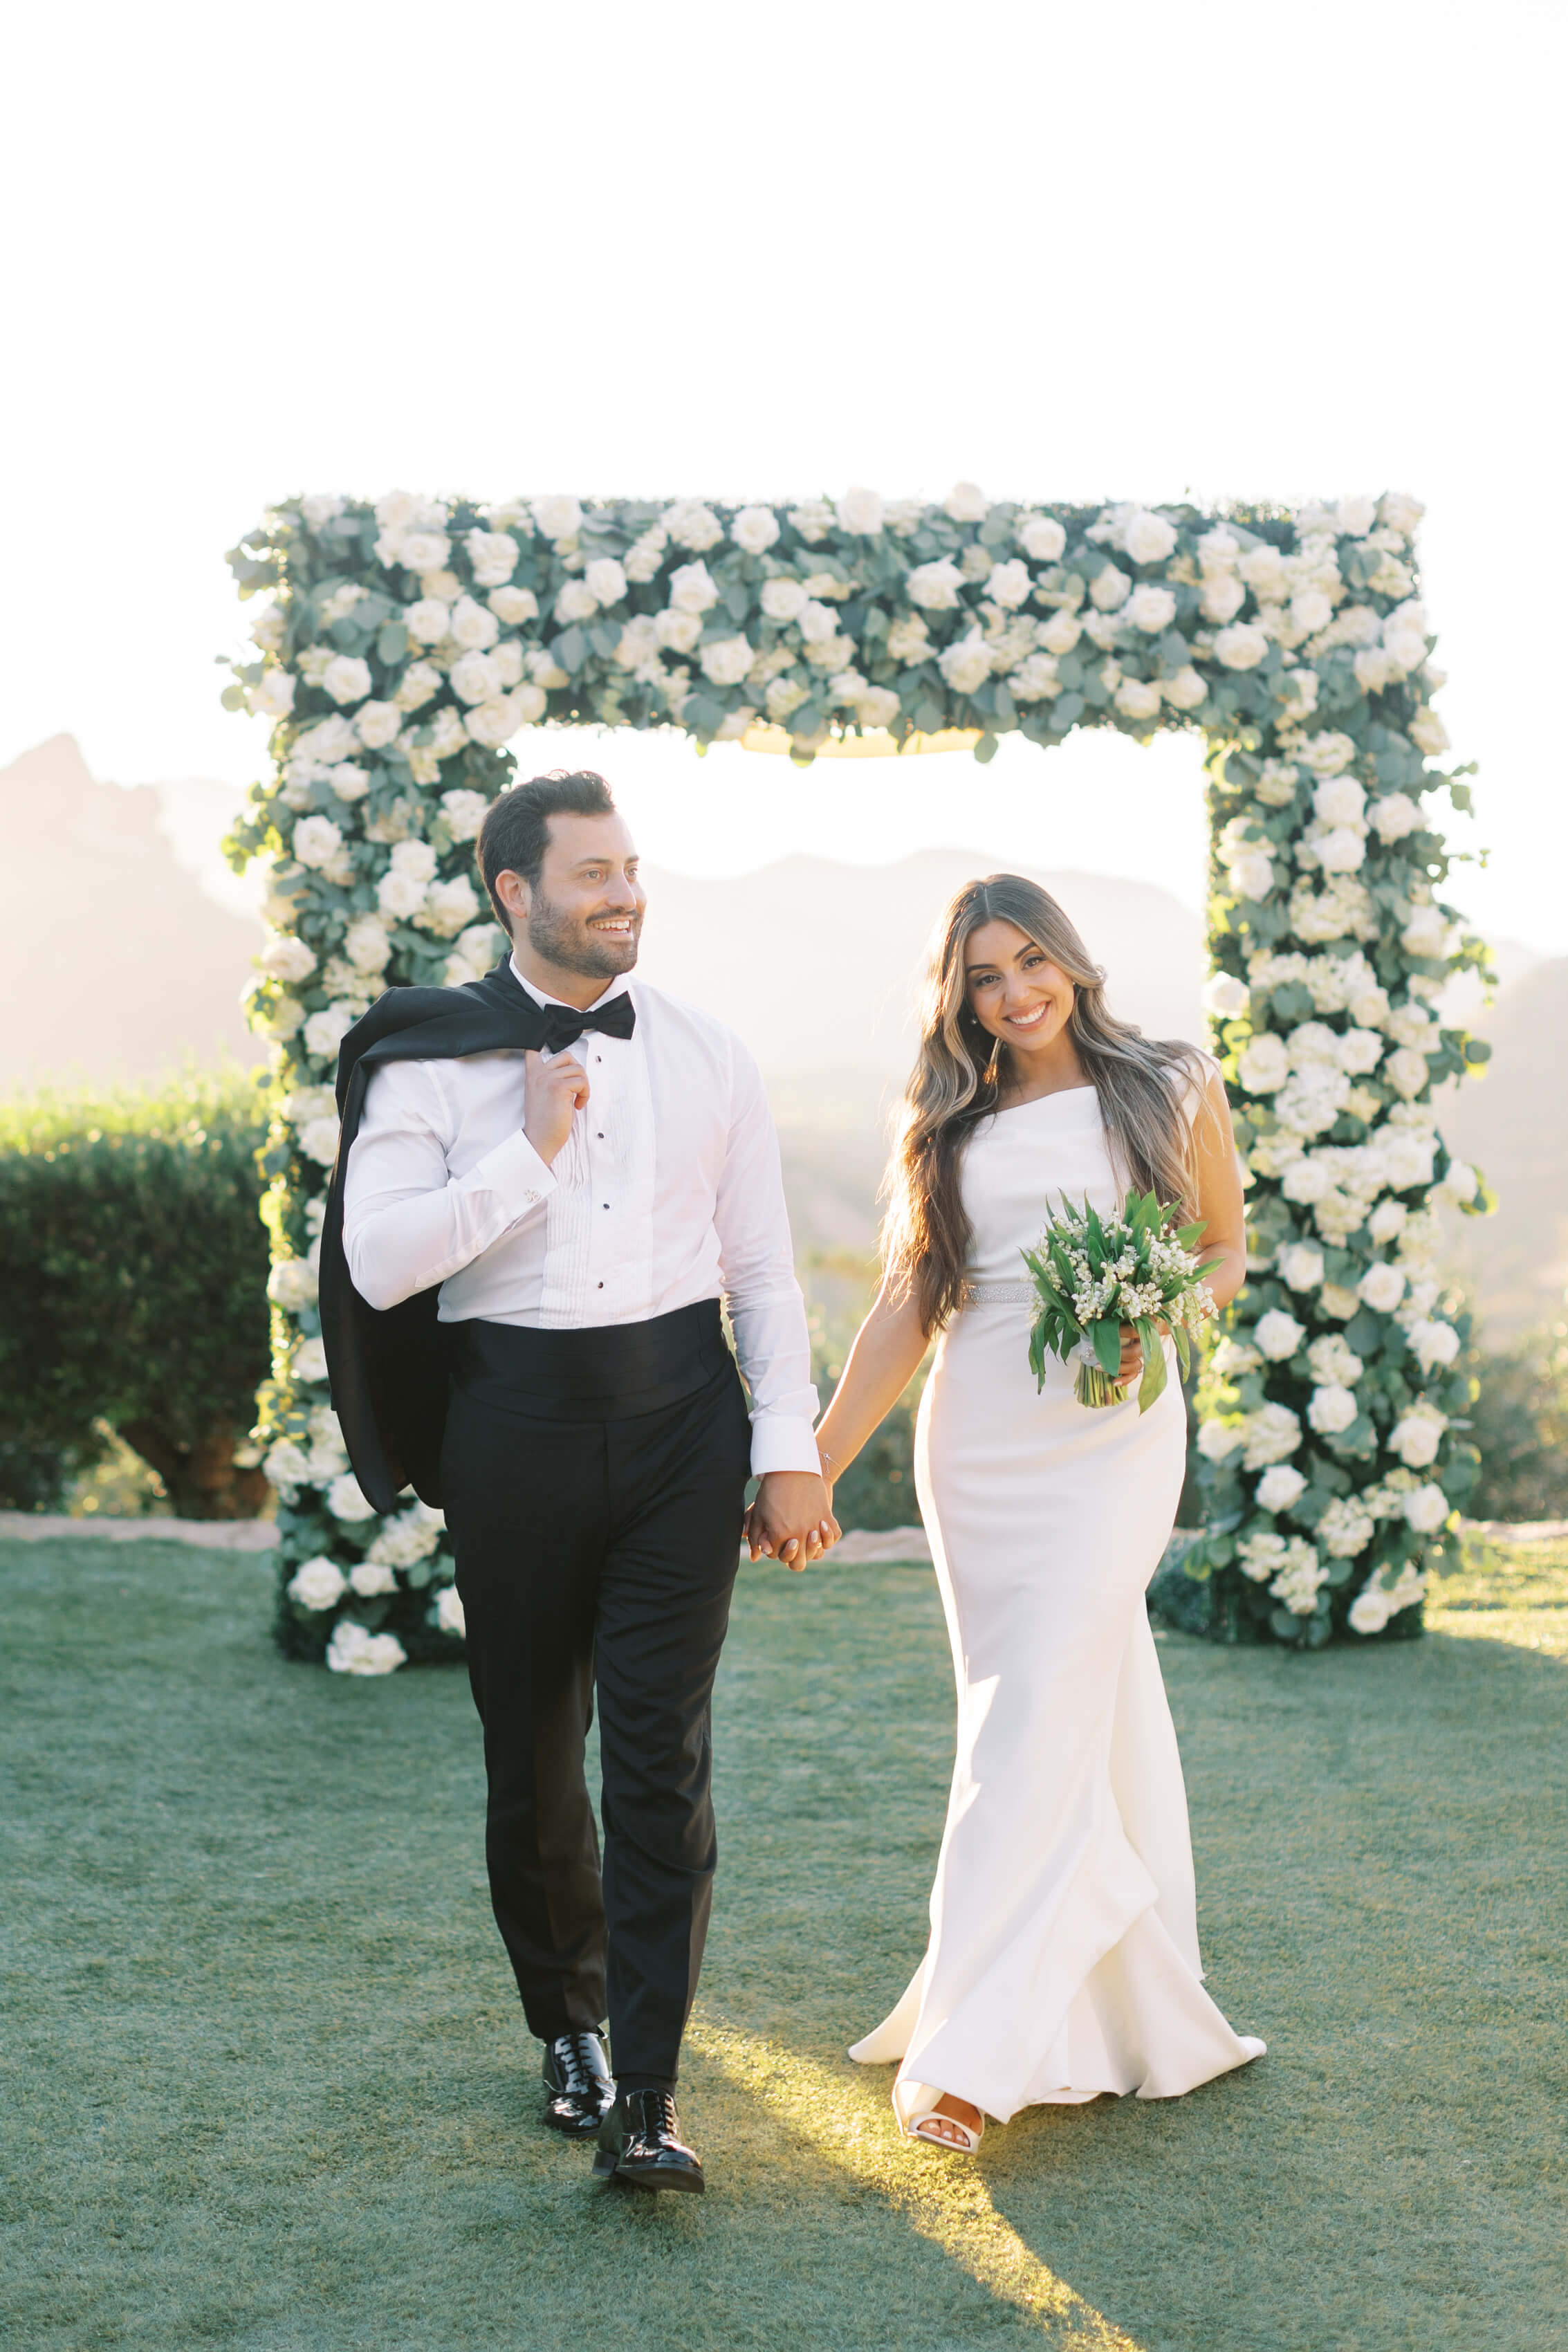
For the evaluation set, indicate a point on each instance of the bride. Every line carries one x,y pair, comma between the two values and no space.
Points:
1064,1959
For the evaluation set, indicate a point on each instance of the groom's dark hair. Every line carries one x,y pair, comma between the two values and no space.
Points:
516,831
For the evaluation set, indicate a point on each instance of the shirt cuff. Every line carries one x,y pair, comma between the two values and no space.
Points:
516,1174
779,1442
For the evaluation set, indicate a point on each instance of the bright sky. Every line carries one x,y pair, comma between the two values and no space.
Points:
1060,251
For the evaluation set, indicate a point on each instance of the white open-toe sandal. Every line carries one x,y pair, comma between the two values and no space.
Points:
953,2134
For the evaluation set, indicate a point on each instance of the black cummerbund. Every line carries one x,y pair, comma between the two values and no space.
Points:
607,1371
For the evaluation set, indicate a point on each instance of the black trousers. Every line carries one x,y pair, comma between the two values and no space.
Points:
594,1488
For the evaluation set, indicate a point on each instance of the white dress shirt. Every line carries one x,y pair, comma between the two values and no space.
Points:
668,1190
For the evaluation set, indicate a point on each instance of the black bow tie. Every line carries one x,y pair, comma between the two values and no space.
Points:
564,1025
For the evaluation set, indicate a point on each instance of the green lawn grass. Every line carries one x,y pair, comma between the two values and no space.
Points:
265,2085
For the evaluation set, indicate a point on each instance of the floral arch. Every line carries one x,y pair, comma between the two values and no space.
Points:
403,643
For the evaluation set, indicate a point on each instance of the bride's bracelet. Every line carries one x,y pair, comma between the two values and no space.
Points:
826,1458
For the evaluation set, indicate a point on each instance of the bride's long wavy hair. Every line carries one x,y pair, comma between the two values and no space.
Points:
1142,1083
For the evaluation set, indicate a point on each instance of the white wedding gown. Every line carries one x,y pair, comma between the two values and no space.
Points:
1064,1959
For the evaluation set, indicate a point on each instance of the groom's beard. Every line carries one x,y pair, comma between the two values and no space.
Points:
570,943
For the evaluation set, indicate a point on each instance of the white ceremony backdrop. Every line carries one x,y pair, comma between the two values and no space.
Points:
402,643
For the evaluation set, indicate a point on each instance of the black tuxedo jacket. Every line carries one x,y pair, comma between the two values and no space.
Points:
388,1370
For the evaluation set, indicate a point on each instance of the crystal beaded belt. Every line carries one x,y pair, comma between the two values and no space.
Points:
998,1294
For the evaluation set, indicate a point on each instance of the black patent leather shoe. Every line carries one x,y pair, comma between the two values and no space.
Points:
580,2086
640,2140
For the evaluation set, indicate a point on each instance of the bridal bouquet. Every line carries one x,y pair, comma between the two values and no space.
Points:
1093,1274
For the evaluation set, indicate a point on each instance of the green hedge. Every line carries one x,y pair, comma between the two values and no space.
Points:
1520,1428
134,1265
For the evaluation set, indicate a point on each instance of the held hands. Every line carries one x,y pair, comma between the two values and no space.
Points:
553,1092
791,1519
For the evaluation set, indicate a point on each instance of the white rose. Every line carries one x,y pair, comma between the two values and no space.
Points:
449,1612
691,524
1218,1440
934,587
755,528
1217,551
449,907
1041,538
556,519
1387,1221
1406,1072
784,696
1109,591
472,628
1148,537
1009,584
1221,598
354,1650
366,944
512,606
1360,1051
284,957
680,632
965,502
1250,874
1369,1611
317,1583
1307,1181
1150,608
1264,1065
819,624
1273,1433
1300,1266
1311,611
727,660
347,678
879,706
492,557
315,841
1341,850
319,1139
1060,633
370,1577
377,724
346,1502
273,697
1426,1510
1279,1488
399,895
325,1031
308,1361
1225,996
1339,800
1138,698
1355,517
1374,672
425,551
1394,816
1279,1335
320,508
291,1284
1400,511
1186,690
428,621
860,512
1426,933
692,589
784,600
1298,693
1432,1344
1428,732
964,664
1417,1436
1332,1409
1460,1184
476,678
493,721
605,581
1240,646
575,602
1381,1287
1264,573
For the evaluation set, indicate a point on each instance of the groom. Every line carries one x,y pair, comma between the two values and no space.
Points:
546,1183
